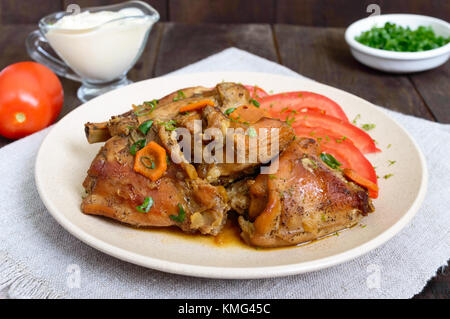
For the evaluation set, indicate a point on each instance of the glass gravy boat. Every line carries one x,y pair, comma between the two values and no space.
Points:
100,56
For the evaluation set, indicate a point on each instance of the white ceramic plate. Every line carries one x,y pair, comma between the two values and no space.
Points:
65,156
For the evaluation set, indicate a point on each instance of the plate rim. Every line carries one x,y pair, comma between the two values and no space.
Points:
215,272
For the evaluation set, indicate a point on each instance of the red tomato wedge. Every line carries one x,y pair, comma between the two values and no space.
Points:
256,92
358,179
302,100
343,150
360,139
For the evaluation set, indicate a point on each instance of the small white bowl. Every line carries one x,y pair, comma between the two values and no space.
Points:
398,62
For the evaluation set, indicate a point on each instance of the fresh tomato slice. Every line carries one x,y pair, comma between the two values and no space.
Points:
299,101
256,92
358,179
343,150
360,139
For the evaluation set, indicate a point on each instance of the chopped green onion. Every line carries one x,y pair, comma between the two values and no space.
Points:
181,215
388,176
169,125
145,127
180,96
330,160
368,127
255,103
340,140
142,109
152,164
230,110
146,205
137,146
357,117
391,162
291,120
394,37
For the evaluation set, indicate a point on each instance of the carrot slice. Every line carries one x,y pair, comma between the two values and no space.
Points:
151,161
249,113
358,179
196,106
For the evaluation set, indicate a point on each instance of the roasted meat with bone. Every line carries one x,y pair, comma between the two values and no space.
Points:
301,200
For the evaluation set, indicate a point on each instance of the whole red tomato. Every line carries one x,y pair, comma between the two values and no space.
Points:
31,98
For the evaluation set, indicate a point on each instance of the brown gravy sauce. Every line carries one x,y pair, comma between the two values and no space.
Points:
229,236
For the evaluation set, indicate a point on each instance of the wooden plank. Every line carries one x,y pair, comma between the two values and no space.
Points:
340,13
222,11
21,12
183,44
434,86
323,55
159,5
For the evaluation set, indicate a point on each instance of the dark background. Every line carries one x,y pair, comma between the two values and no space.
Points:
320,13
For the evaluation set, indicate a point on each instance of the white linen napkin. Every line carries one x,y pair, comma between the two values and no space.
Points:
39,259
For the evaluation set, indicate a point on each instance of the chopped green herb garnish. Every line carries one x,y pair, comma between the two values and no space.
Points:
147,162
388,176
145,127
255,103
137,146
252,132
181,215
340,140
146,205
357,117
230,110
368,127
330,160
324,218
152,104
272,176
394,37
389,145
143,110
291,120
180,96
169,125
391,162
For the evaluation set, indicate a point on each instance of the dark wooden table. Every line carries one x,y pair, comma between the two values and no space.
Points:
318,53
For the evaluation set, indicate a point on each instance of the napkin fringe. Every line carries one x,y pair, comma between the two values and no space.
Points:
20,283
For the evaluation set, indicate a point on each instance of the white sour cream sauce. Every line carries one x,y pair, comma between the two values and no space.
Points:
95,49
